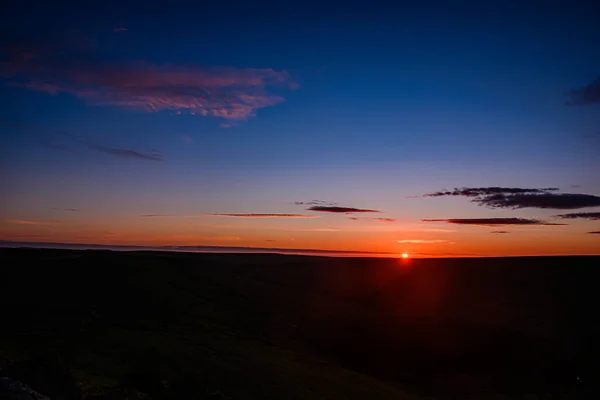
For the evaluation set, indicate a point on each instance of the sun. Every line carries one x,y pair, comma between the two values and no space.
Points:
404,255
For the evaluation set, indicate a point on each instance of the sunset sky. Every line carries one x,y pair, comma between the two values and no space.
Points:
433,128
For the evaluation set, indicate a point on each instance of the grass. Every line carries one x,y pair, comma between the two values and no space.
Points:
294,327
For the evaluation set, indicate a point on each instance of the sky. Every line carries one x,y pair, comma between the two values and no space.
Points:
431,128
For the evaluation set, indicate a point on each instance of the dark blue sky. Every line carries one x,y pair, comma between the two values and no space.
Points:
362,104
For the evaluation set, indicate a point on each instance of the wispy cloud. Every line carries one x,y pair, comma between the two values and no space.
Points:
25,222
233,94
120,29
227,238
67,209
589,94
341,210
160,215
315,203
499,232
594,233
585,215
318,230
514,198
438,230
187,139
151,156
69,142
422,241
263,215
389,220
492,221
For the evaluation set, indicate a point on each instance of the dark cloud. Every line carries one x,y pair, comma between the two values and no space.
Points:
67,209
263,215
159,215
341,210
500,197
492,221
71,143
120,29
594,233
231,94
585,215
151,156
488,191
499,232
315,203
586,95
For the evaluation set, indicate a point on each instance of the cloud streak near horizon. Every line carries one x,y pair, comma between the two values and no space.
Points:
515,198
263,215
586,215
227,93
493,221
341,210
420,241
25,222
389,220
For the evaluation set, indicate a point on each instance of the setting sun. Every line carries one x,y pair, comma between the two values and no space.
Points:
404,255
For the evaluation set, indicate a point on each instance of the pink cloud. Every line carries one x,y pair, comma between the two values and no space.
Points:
422,241
187,139
263,215
24,222
388,220
227,238
120,29
231,94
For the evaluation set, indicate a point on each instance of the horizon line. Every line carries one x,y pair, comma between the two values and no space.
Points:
263,250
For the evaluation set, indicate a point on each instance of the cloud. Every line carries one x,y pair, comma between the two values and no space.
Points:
151,156
499,232
390,220
263,215
492,221
227,238
120,29
589,94
419,241
318,230
67,209
187,139
315,203
69,142
24,222
487,191
585,215
341,210
437,230
231,94
594,233
159,215
514,198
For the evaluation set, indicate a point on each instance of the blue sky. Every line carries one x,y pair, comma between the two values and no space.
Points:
363,105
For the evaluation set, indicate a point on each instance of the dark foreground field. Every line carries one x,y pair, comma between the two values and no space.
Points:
126,325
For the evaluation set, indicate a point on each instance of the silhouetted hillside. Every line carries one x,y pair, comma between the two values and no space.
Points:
270,326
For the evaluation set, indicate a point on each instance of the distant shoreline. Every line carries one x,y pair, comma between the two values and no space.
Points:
256,251
197,249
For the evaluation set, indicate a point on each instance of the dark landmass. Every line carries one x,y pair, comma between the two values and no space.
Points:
161,325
